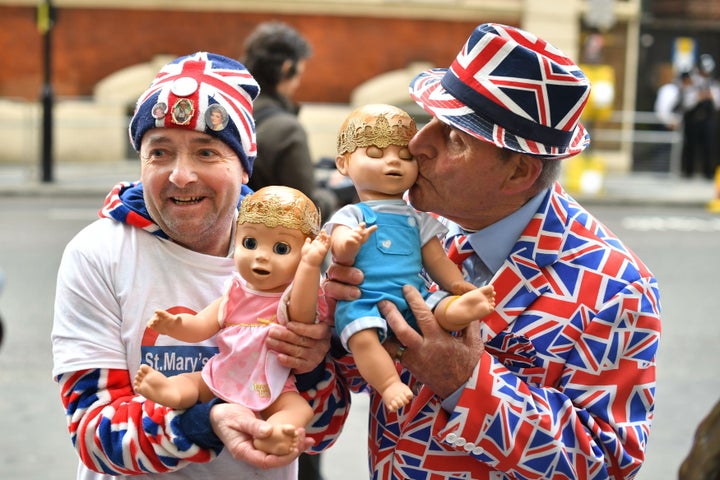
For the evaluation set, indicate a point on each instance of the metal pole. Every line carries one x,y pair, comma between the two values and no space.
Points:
45,21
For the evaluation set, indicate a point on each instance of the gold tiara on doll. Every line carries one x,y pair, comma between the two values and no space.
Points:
278,206
375,125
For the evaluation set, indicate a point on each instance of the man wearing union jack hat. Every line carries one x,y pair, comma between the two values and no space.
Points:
165,242
559,381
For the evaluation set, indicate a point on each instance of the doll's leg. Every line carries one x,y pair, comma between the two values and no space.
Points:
286,414
376,366
457,312
179,391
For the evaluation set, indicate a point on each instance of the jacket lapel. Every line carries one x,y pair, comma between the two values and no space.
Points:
520,280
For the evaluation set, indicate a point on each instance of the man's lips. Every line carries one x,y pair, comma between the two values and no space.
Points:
186,200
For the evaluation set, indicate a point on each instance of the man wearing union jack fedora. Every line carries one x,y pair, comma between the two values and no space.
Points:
166,242
559,381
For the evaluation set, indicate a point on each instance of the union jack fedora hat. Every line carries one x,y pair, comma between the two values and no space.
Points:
512,89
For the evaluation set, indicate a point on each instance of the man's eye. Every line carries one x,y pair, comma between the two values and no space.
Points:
281,248
157,153
249,243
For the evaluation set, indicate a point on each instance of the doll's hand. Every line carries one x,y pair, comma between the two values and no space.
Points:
300,346
164,322
237,426
360,234
314,251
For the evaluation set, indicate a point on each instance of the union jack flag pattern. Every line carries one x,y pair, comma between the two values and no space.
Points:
565,388
458,249
184,89
513,89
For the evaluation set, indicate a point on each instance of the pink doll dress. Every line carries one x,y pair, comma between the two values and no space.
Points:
244,371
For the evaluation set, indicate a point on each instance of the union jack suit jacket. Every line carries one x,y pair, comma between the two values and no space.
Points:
565,387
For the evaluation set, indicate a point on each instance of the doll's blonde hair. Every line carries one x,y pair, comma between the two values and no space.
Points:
378,125
279,206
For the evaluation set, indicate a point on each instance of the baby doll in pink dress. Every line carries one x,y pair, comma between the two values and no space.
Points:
279,250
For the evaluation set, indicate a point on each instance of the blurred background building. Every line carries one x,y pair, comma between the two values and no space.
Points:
102,54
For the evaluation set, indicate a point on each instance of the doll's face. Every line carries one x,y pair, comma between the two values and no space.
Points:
379,173
267,257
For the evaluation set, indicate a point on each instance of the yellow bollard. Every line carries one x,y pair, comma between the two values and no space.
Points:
585,174
714,204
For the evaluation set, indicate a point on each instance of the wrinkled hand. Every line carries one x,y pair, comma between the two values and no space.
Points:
436,358
300,346
236,426
341,284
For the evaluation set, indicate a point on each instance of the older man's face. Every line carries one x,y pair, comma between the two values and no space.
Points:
460,177
192,184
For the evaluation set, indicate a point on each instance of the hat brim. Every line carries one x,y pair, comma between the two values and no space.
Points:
428,92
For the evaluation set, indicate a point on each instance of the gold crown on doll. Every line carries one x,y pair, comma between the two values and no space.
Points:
278,206
361,133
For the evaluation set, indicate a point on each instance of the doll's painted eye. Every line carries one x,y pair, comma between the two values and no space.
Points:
281,248
250,243
405,154
374,152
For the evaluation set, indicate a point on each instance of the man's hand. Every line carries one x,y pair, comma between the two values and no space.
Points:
300,346
236,426
436,358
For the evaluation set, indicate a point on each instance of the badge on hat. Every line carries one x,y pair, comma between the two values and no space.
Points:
159,110
216,117
183,111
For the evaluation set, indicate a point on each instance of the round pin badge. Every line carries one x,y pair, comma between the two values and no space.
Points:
216,117
159,110
182,87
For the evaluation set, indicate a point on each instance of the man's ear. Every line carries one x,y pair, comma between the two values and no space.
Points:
341,163
245,177
287,69
523,171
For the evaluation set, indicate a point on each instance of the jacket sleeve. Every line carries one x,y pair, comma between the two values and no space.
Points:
327,389
293,165
117,432
586,413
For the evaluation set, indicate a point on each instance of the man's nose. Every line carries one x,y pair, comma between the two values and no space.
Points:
421,145
183,171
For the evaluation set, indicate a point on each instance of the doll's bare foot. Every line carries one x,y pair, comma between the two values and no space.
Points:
460,311
155,386
484,299
282,441
396,395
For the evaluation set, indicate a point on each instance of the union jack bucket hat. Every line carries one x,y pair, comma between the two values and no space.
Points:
512,89
204,92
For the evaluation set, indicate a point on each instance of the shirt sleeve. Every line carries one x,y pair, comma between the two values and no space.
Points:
113,430
119,433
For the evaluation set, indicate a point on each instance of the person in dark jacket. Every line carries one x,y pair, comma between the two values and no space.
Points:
276,55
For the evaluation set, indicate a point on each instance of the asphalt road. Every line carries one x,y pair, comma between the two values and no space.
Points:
679,244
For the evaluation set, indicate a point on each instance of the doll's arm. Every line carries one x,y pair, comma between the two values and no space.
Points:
187,327
346,242
442,270
303,296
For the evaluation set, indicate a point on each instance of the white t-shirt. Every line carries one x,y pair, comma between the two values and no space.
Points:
112,278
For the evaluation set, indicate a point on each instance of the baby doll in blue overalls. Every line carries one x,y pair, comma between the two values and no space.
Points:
391,243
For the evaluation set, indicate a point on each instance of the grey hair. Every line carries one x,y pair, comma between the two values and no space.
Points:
550,172
551,169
